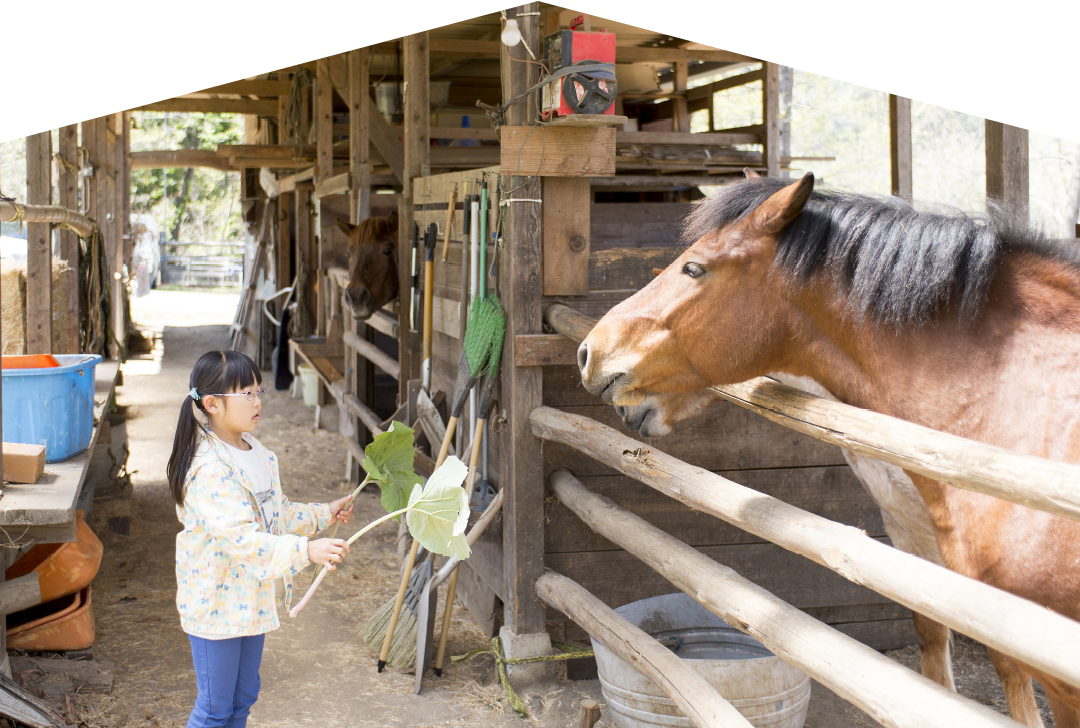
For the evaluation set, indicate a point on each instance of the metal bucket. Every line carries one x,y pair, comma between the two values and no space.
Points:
765,689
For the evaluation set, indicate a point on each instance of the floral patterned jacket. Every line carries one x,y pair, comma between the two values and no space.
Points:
228,556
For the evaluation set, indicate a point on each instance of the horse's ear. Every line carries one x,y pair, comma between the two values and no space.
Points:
750,174
657,271
393,220
777,212
345,227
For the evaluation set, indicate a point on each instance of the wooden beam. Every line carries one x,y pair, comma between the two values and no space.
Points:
567,206
256,87
283,274
388,141
359,139
324,167
305,244
39,256
167,158
900,145
708,139
706,91
336,185
557,151
68,186
896,696
54,214
522,469
372,353
682,115
637,54
686,687
114,236
538,350
261,107
770,108
417,163
283,109
1007,167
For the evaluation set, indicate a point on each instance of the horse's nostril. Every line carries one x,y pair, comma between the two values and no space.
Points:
582,356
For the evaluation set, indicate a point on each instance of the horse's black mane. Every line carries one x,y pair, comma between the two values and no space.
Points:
894,264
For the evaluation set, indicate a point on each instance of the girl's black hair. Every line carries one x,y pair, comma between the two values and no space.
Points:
216,372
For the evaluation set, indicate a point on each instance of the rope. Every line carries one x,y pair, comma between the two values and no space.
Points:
302,78
60,161
566,652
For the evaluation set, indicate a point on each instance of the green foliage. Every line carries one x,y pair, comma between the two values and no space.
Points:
439,511
202,204
389,460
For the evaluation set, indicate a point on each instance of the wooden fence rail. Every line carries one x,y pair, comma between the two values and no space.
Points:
890,693
695,697
16,211
1047,485
369,351
1018,627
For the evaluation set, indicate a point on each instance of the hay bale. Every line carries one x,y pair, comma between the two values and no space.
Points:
65,323
13,307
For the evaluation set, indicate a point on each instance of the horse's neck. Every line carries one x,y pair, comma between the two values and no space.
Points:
949,376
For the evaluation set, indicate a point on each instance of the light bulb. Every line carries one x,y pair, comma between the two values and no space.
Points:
511,36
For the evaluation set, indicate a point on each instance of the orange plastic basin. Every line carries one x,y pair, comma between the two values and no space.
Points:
64,624
62,568
31,361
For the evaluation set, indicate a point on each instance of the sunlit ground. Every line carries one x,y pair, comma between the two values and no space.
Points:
158,309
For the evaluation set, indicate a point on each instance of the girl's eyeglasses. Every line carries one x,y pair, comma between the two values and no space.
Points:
250,396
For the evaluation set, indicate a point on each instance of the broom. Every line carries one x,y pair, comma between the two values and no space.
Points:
482,345
403,650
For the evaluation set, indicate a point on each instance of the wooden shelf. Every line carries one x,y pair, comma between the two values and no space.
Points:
45,511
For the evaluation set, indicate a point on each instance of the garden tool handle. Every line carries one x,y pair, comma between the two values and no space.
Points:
449,224
398,602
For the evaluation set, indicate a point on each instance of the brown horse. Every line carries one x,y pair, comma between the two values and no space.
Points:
373,273
966,325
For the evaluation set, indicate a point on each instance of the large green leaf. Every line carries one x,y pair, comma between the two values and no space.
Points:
439,511
389,460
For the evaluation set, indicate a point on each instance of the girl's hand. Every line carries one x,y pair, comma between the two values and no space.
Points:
327,551
339,511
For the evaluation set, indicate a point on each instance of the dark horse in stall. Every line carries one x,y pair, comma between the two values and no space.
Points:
373,272
966,325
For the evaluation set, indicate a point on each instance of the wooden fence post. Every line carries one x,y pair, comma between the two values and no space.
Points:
522,464
681,73
417,164
1007,167
68,185
900,145
770,117
359,139
39,246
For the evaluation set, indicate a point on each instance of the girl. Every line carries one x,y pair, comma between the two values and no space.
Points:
242,540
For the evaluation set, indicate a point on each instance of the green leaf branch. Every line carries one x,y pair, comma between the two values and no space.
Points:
436,514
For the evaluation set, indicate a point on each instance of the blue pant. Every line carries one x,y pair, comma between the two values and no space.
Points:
227,674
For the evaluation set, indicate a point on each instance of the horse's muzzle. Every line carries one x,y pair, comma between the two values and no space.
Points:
359,302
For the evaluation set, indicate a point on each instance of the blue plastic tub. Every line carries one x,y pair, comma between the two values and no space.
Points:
53,407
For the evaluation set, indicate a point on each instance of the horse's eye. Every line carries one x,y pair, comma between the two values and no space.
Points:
694,270
388,251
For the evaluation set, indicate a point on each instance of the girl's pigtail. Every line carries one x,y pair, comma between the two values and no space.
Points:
185,443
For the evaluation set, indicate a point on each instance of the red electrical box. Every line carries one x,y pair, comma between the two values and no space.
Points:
579,93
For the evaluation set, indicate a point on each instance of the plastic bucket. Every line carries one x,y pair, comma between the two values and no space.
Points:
768,692
52,406
310,378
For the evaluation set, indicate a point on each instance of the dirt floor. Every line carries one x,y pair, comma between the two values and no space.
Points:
316,671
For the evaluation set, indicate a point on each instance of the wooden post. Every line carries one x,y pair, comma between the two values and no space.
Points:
68,185
894,695
682,114
770,116
284,268
695,697
359,140
900,145
39,246
417,164
305,243
114,235
522,464
324,168
124,183
1007,167
567,210
283,106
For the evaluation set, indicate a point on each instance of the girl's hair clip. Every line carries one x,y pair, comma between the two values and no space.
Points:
193,394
